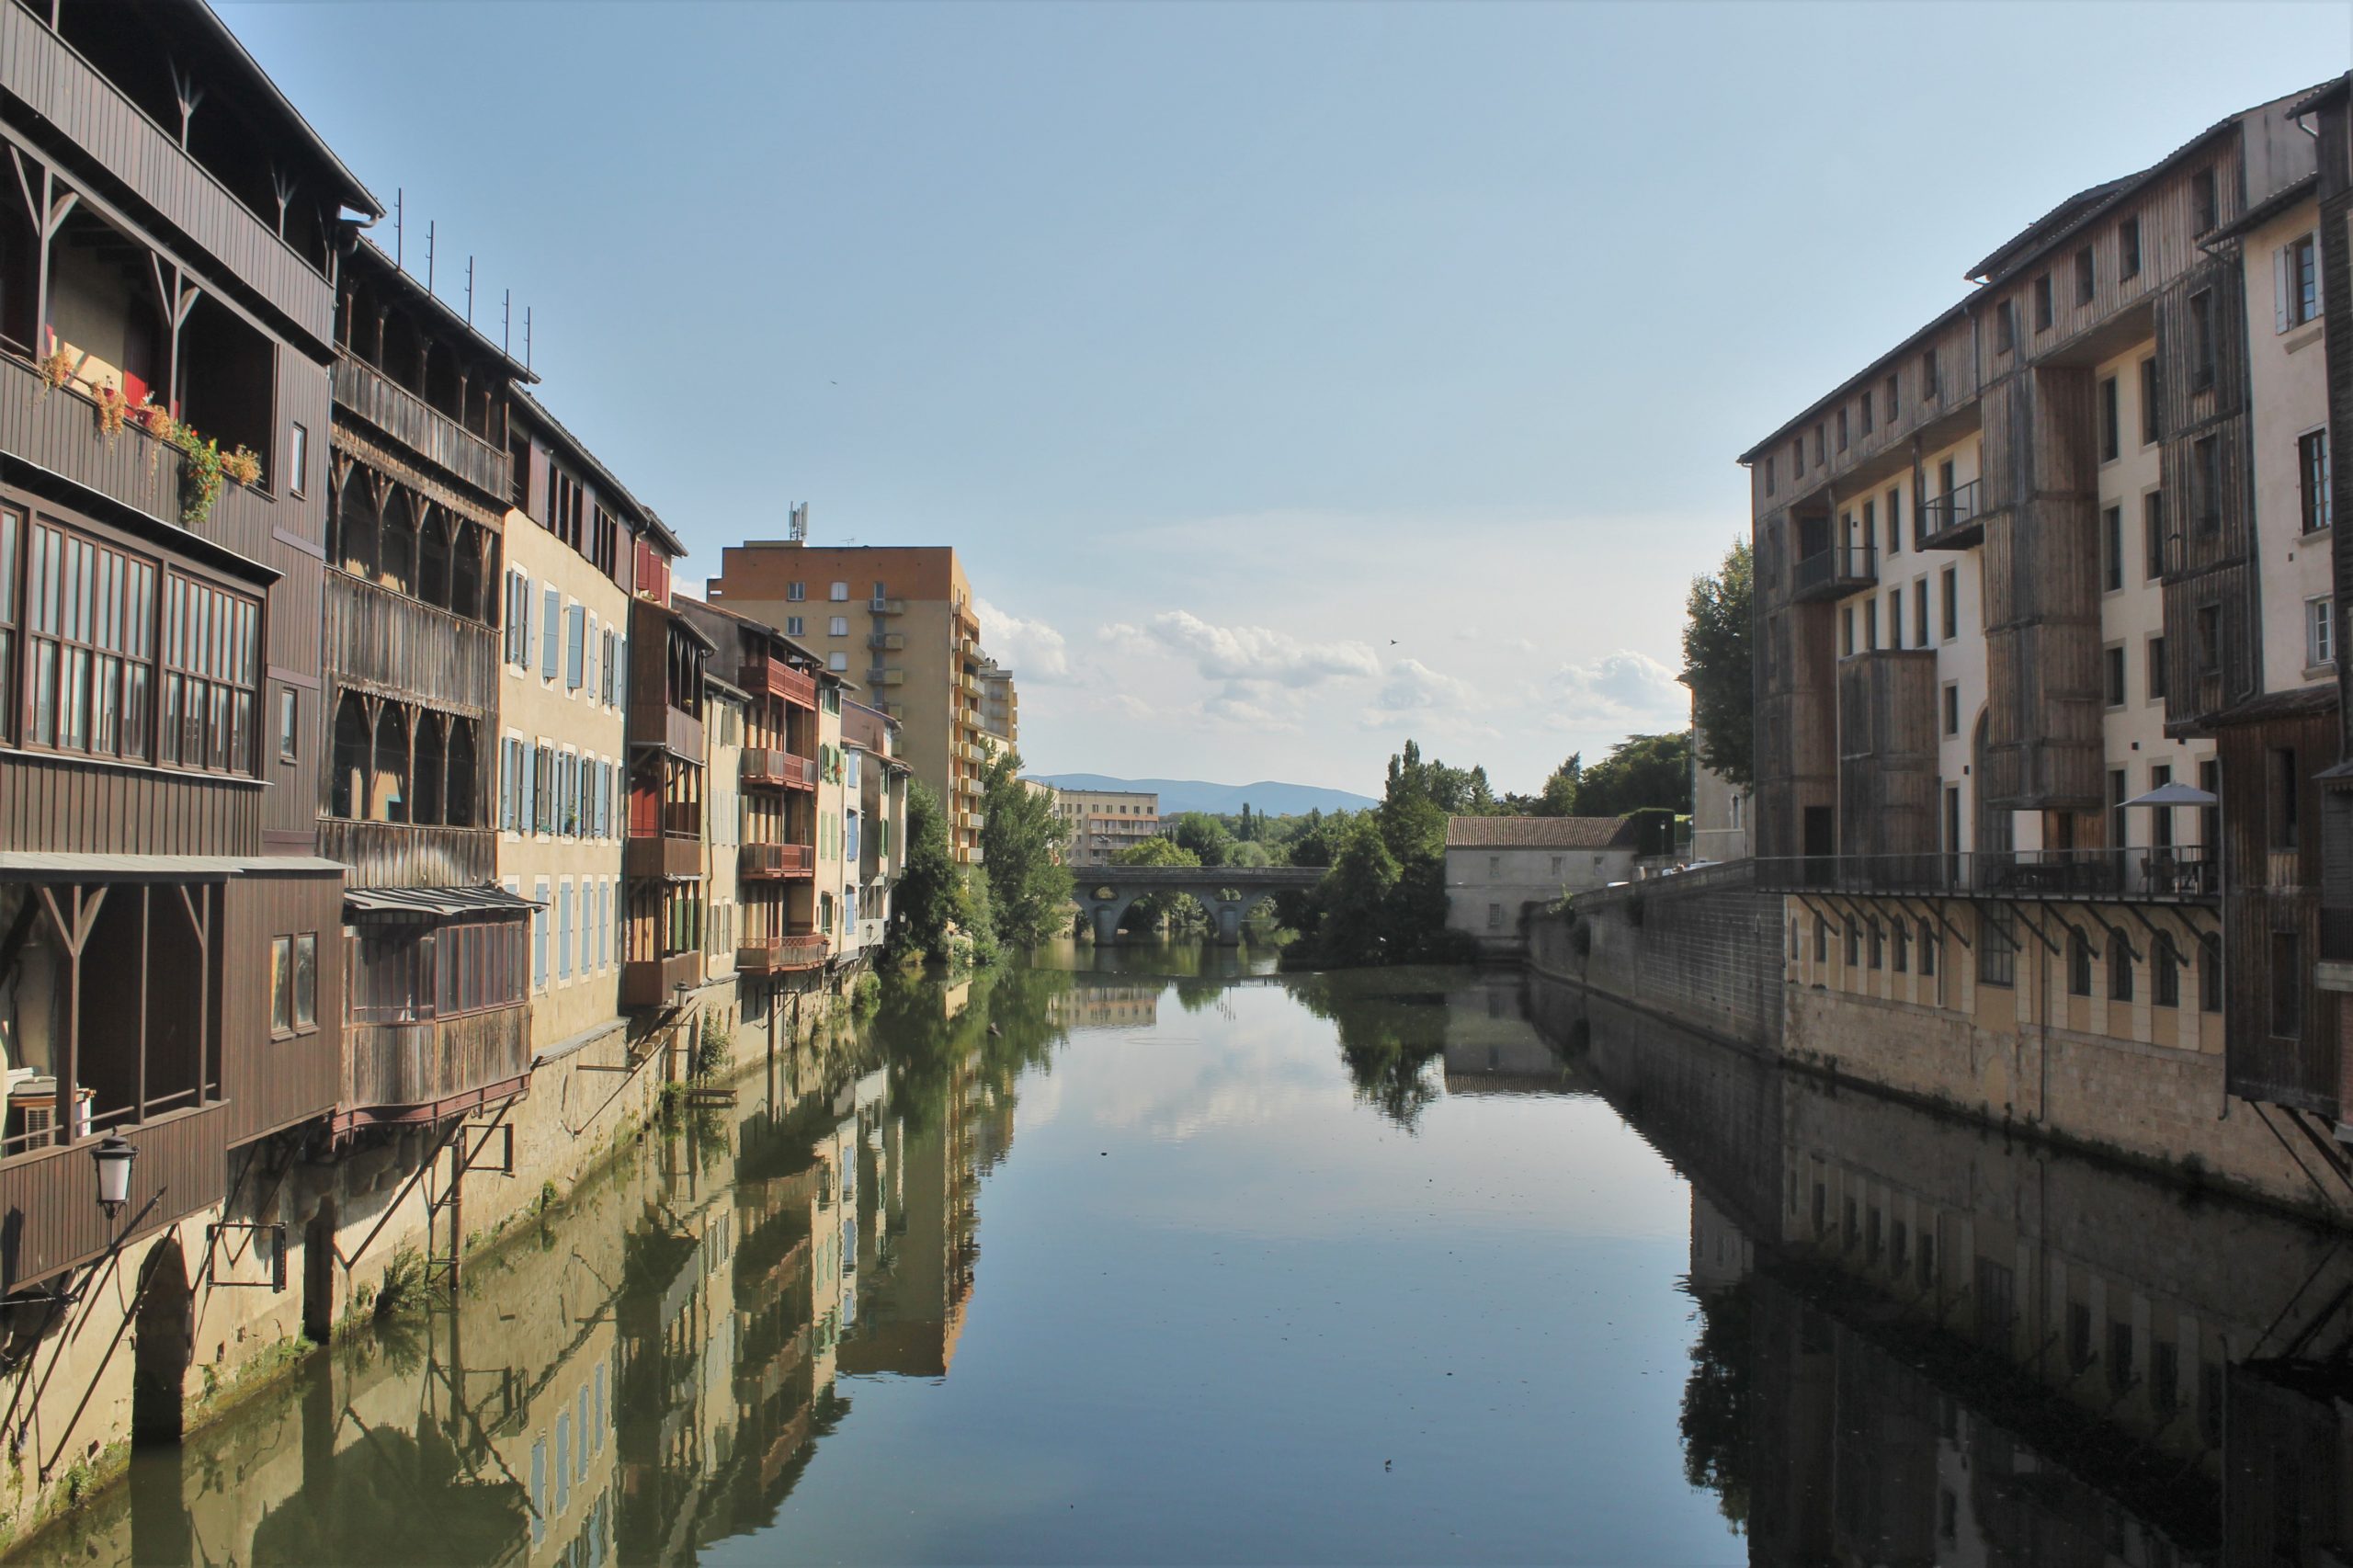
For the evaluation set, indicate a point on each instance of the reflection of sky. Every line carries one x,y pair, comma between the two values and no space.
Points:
1218,1292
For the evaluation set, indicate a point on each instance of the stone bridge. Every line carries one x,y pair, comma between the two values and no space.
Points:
1226,891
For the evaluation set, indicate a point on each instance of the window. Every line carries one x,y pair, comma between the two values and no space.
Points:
1871,626
1494,868
2153,534
1495,917
2156,669
2111,537
1864,404
1902,933
281,985
1927,950
298,459
795,626
2079,962
2210,973
1853,943
519,620
2201,340
1821,445
1879,944
2120,826
1951,583
1797,459
1920,611
1891,399
2296,282
837,627
551,640
89,608
288,709
2127,247
1998,947
2208,628
1952,709
1929,373
839,591
2205,204
210,677
1846,630
2086,276
2006,327
837,662
540,937
2165,972
1769,465
1842,429
2119,968
2320,631
2112,661
2288,980
575,647
796,592
2206,483
1895,619
2042,309
1895,518
2111,435
2312,478
1821,940
2286,790
2150,428
2119,1356
1870,524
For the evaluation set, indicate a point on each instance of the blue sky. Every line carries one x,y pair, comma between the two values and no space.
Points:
1294,379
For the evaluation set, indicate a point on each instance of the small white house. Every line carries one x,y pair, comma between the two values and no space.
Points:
1497,866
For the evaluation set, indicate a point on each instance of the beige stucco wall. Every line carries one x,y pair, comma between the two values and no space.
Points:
1485,889
2288,385
722,729
537,710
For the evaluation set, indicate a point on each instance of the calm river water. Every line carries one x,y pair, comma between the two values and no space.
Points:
1152,1255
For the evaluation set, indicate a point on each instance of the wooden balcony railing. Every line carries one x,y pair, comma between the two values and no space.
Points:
48,1221
673,730
393,645
424,429
424,1071
670,856
67,95
758,861
773,955
777,678
654,982
768,768
410,855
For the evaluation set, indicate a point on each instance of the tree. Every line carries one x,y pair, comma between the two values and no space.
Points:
1182,910
1562,789
1640,770
1202,834
924,900
1021,842
1719,663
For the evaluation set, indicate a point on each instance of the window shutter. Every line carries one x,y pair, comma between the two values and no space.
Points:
551,640
2282,279
2319,272
523,617
588,644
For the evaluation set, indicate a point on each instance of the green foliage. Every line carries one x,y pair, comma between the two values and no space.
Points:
1719,1398
1021,845
1317,842
1719,660
402,1290
1180,912
1202,834
1455,791
1383,899
866,995
1640,770
201,483
1248,853
929,895
1562,789
711,1052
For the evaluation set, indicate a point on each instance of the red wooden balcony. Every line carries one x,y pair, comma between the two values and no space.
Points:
675,857
779,955
777,678
654,982
776,861
765,768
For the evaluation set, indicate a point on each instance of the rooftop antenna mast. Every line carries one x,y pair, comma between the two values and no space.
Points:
507,327
526,337
470,290
797,528
430,224
400,224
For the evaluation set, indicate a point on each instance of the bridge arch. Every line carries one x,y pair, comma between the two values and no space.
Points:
1227,893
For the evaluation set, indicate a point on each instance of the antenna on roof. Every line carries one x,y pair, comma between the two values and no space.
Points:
526,337
399,221
430,224
470,290
507,327
798,528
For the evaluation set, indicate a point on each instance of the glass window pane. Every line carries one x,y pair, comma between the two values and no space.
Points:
306,981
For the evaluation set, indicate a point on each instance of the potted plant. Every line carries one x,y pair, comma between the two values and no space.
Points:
243,465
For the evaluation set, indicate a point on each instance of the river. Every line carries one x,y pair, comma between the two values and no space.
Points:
1155,1256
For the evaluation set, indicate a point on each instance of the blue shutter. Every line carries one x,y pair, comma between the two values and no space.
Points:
551,640
575,627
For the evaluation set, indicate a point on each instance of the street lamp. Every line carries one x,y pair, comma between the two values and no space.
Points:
113,1157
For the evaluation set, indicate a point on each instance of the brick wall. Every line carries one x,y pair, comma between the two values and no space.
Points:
1701,949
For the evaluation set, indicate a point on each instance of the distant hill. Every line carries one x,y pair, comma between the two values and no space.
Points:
1267,796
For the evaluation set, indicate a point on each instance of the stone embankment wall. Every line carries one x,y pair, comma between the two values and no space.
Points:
191,1315
1701,949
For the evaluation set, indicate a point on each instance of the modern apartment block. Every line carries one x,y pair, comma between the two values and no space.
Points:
1000,704
900,621
1101,823
2053,554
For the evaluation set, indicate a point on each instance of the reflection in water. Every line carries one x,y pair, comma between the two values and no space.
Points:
1908,1340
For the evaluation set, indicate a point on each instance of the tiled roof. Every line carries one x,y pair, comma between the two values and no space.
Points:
1539,833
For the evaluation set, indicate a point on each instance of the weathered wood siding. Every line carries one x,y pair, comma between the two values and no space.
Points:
50,1219
273,1083
390,645
52,804
49,77
2270,893
394,1066
1887,742
366,392
408,855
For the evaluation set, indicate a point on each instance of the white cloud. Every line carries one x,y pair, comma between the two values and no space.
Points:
1034,651
1248,654
1624,687
1413,685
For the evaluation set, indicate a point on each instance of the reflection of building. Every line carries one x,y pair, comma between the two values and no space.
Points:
1500,868
1492,1047
1106,1006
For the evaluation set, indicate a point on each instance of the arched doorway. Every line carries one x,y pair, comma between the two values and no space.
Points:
163,1346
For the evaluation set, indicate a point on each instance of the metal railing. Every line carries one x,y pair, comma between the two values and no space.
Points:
1839,565
1941,514
2182,873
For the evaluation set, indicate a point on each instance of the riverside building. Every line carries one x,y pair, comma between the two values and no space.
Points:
901,622
2047,675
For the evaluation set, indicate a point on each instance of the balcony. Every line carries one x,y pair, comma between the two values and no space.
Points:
887,642
774,862
1835,572
408,419
64,92
435,1068
769,769
48,1223
773,678
57,429
673,856
659,726
654,982
781,955
410,855
887,606
1954,521
2183,874
389,644
881,676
